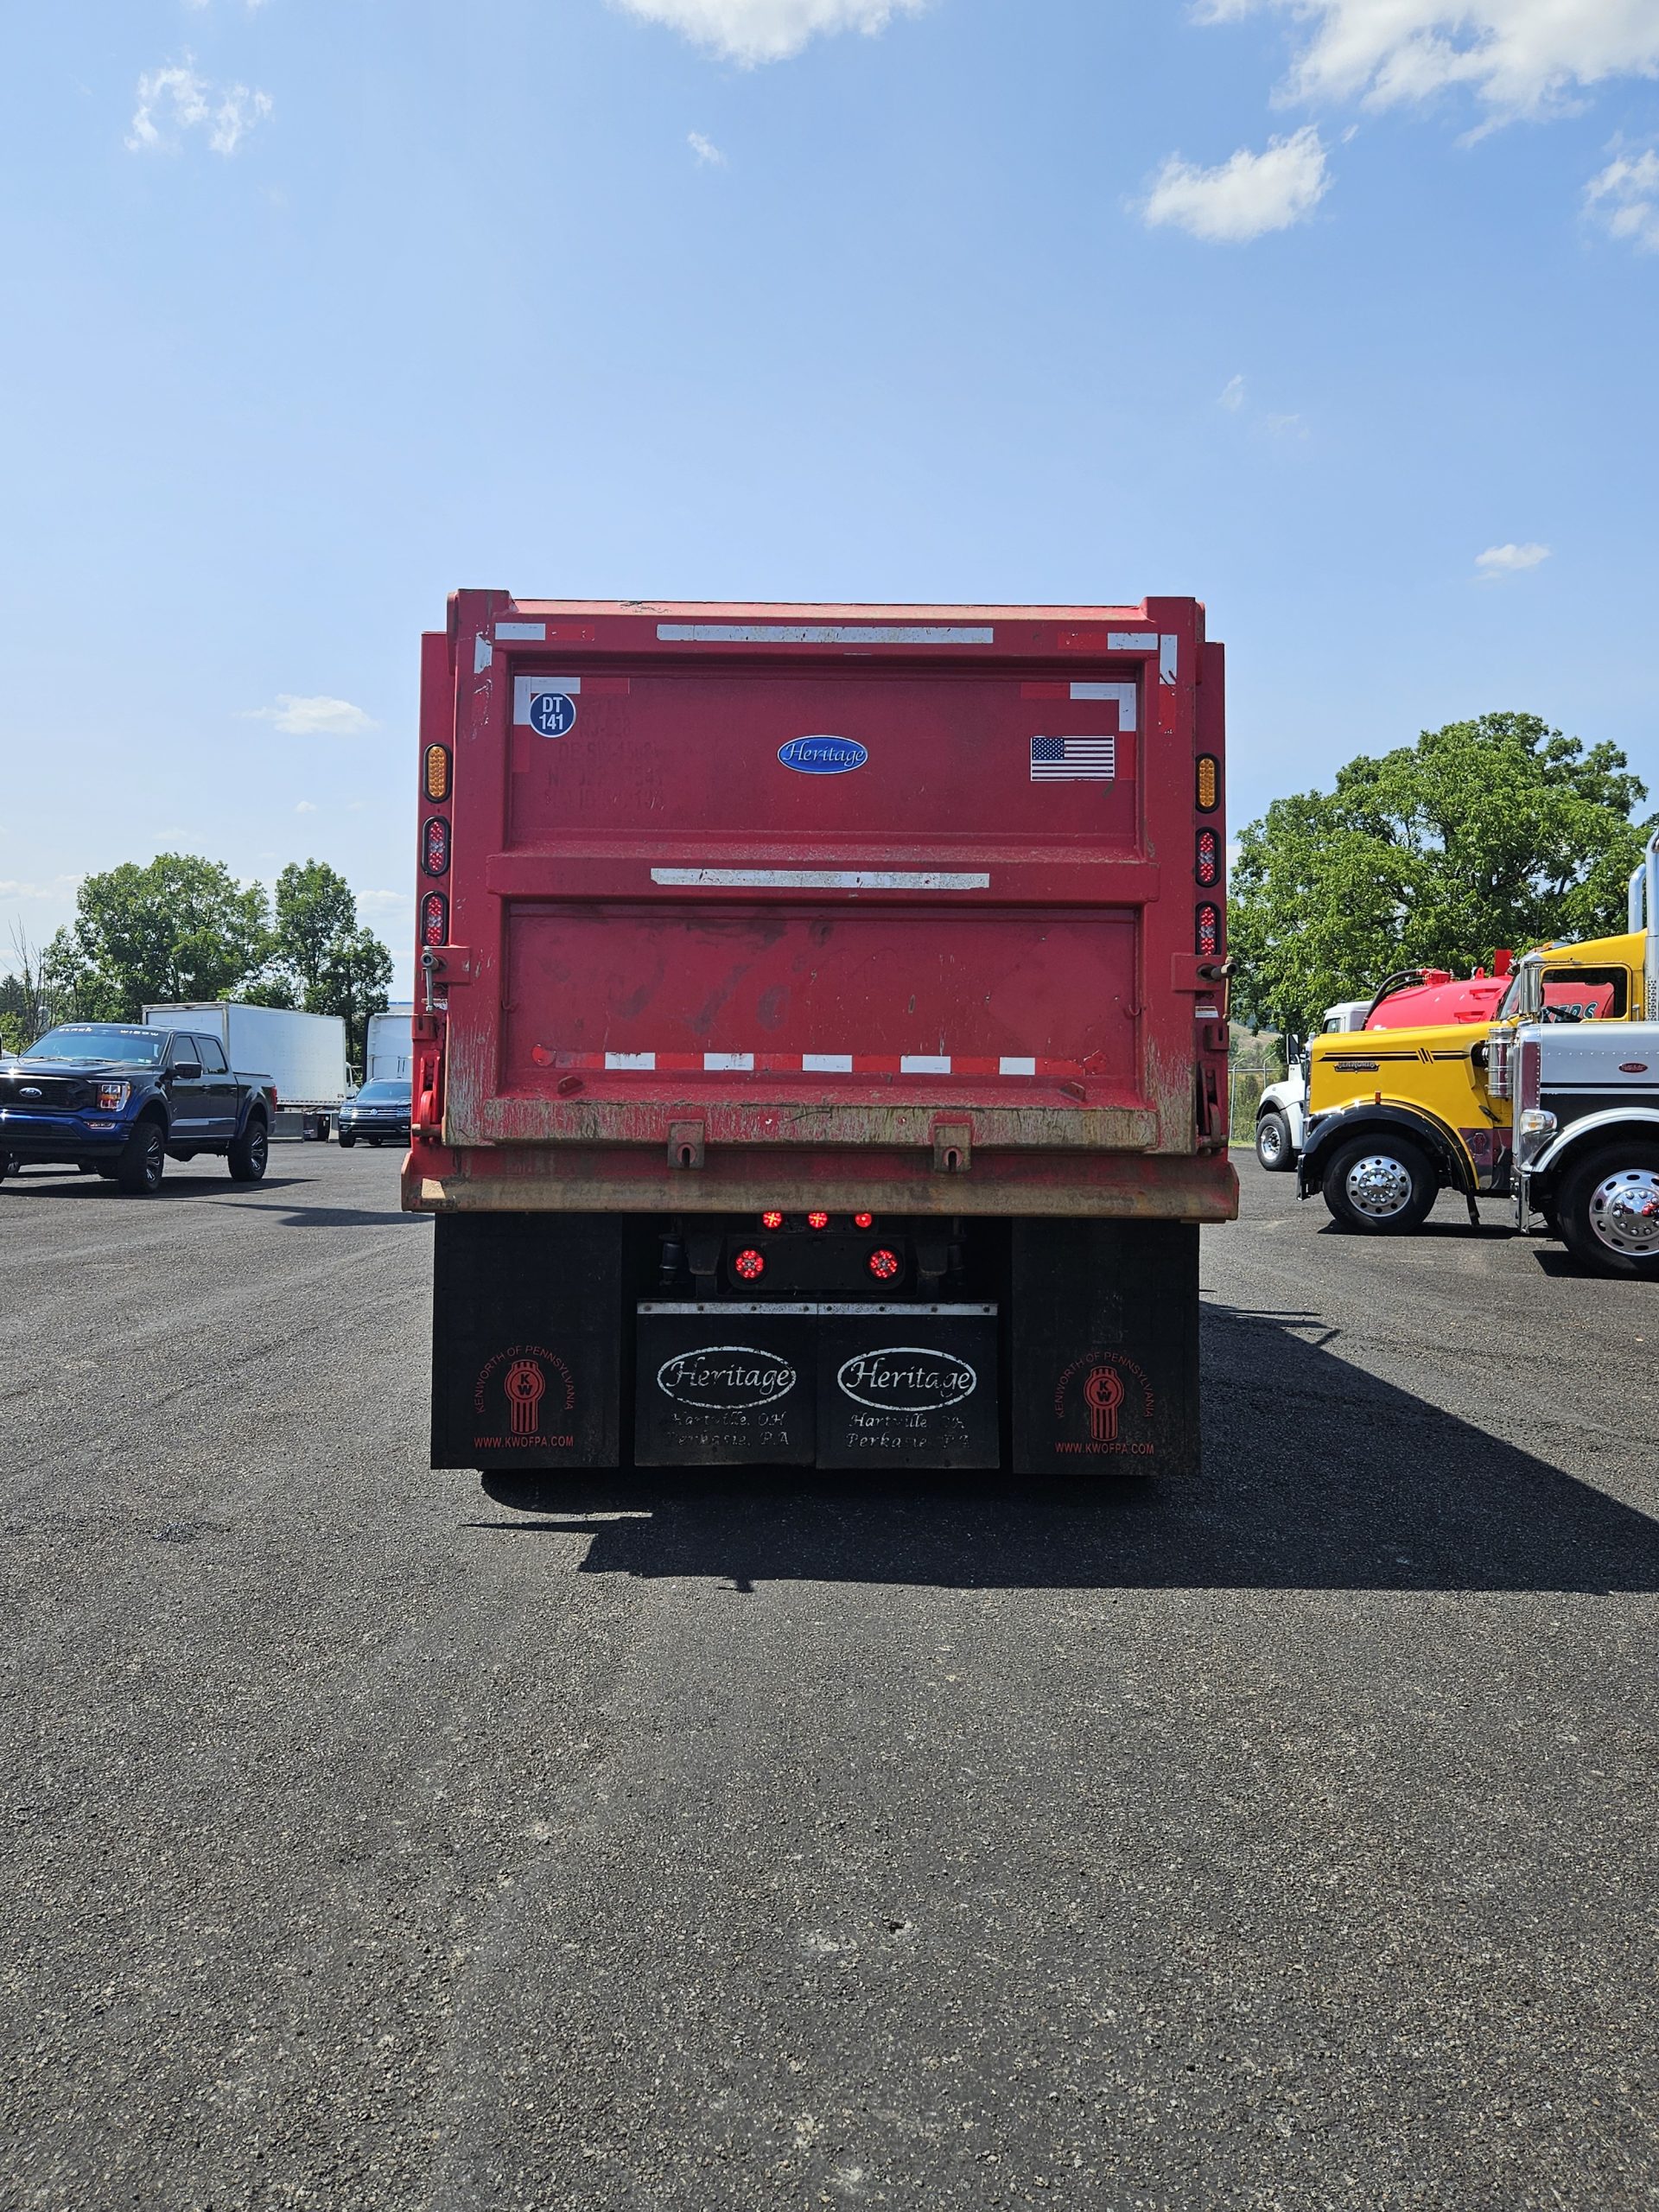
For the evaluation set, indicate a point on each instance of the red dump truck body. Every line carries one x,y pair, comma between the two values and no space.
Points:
792,915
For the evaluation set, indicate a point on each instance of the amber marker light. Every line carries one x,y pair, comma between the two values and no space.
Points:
437,773
1209,782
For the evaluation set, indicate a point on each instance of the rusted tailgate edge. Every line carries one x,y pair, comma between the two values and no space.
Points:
577,1178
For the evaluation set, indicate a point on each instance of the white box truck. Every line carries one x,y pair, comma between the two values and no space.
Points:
389,1055
304,1054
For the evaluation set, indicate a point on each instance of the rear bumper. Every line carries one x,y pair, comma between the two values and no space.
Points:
614,1179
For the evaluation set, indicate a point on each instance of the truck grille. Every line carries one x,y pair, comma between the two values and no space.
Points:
45,1094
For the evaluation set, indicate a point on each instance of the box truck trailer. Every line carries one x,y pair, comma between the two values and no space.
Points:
304,1054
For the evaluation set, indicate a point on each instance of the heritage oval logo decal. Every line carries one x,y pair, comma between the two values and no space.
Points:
726,1378
906,1379
1625,1067
822,756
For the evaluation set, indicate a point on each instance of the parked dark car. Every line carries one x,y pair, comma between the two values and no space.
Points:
378,1114
119,1099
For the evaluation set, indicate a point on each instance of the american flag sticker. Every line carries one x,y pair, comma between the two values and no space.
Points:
1073,760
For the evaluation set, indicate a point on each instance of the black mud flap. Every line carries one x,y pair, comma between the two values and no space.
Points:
906,1386
875,1387
526,1340
1105,1347
724,1385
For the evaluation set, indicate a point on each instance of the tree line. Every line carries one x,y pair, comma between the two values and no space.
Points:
182,928
1495,832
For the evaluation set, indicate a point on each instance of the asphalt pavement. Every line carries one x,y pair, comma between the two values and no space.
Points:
1284,1839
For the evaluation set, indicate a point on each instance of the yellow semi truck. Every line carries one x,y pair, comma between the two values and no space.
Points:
1395,1116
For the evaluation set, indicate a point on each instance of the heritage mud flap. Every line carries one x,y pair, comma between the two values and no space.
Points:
724,1385
526,1332
1105,1348
904,1386
729,1383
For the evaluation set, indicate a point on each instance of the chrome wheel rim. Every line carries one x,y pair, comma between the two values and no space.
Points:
1269,1140
1378,1186
1624,1213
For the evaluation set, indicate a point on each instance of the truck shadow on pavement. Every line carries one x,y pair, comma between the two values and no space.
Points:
1317,1476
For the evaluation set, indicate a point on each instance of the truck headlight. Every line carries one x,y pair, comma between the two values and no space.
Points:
1532,1132
112,1096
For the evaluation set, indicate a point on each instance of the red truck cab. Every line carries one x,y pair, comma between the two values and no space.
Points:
834,993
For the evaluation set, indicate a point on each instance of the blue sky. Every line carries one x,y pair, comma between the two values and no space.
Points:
318,308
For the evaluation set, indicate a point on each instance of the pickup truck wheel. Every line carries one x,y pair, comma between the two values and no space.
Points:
1273,1145
1608,1208
250,1153
1382,1186
346,1140
139,1170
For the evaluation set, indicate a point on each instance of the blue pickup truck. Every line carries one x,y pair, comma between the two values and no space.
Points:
117,1100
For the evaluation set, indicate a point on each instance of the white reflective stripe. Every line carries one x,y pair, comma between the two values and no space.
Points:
527,632
645,1060
1016,1065
817,634
1168,652
1132,641
728,1062
826,1064
820,878
483,653
527,688
1207,1014
1122,693
924,1063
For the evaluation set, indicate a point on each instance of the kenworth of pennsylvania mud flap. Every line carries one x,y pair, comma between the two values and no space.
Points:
820,1055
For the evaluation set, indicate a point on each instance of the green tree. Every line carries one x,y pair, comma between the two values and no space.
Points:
321,956
315,910
356,971
1495,831
180,928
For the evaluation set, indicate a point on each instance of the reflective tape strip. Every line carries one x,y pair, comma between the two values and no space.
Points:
1168,652
856,1064
819,634
817,878
525,633
1132,641
1123,694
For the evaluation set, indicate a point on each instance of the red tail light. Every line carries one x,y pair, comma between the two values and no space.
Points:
771,1221
435,845
817,1221
863,1221
884,1264
1207,864
434,918
1208,929
749,1265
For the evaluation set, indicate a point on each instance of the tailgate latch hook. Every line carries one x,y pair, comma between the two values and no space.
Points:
685,1144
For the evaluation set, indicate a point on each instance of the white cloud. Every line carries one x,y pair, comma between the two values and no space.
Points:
1520,56
767,30
386,902
1284,426
175,100
1231,395
1625,197
306,806
709,154
1509,560
1244,197
317,717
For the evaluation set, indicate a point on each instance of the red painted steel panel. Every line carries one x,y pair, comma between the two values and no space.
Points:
721,865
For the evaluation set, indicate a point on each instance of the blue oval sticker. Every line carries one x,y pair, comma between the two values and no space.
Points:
822,756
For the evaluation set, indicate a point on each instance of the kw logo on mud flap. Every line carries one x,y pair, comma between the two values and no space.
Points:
516,1382
726,1378
1104,1393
